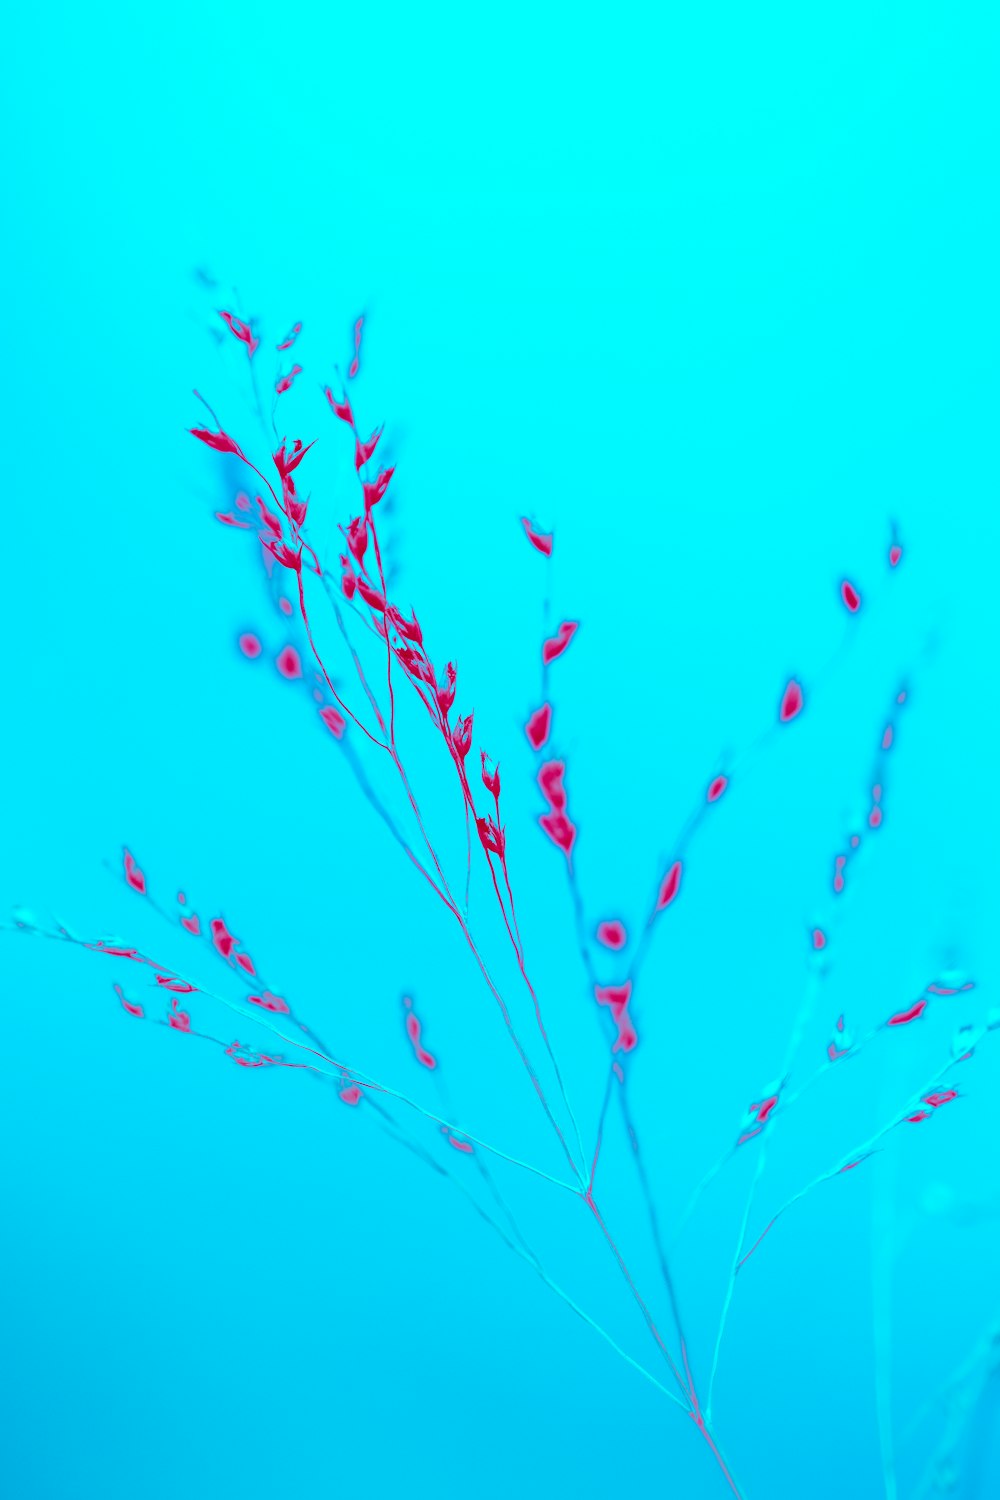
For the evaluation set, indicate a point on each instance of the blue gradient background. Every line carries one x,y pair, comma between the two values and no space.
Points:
716,296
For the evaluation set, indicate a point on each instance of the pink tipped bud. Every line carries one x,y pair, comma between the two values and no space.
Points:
491,780
491,837
538,726
850,596
791,702
550,780
357,538
671,884
342,409
446,694
461,736
538,539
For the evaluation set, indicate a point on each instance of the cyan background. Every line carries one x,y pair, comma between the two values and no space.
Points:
714,294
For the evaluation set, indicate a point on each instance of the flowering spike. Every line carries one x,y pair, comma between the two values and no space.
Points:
491,779
134,876
273,1003
541,540
242,331
285,463
333,721
284,382
374,492
611,934
295,508
271,521
461,735
290,337
791,702
283,554
557,644
446,695
491,836
408,630
550,780
416,664
353,370
538,726
560,830
371,596
342,409
364,451
616,997
670,885
357,538
904,1017
220,441
289,663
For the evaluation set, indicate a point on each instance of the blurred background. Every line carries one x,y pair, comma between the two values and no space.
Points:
713,298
